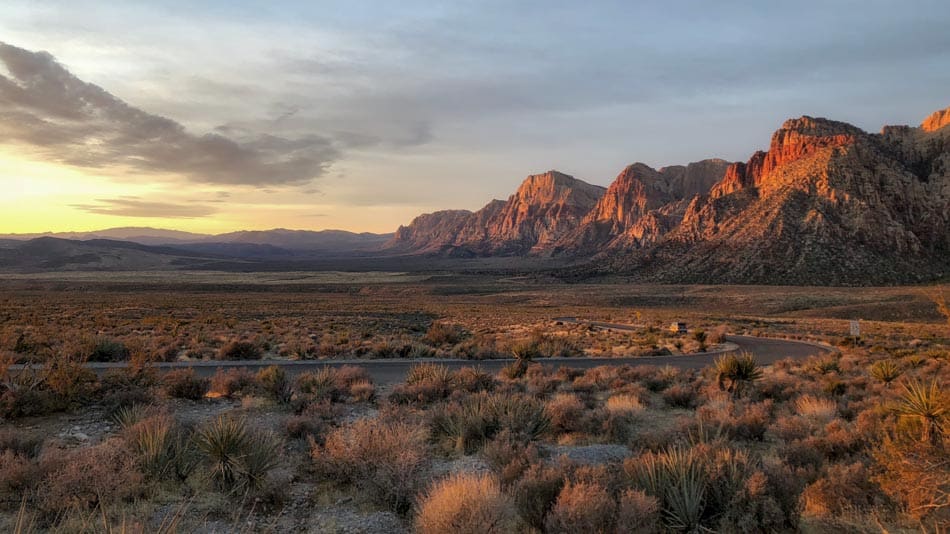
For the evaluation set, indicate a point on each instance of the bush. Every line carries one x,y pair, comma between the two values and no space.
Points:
385,460
185,384
844,488
465,503
109,350
234,382
816,408
240,350
582,507
680,396
637,512
97,476
275,384
444,334
624,404
536,492
566,413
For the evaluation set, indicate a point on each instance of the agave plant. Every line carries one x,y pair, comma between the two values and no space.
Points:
927,404
736,372
886,371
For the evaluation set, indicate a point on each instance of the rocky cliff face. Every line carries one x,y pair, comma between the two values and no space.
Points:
640,206
541,211
827,203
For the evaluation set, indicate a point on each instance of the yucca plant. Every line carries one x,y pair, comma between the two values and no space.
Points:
886,371
128,416
261,454
678,478
524,353
468,423
927,404
523,416
224,441
736,372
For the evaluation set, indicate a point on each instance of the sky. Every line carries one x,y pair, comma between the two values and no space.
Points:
219,115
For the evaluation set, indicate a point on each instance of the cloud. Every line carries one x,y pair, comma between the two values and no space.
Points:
129,206
80,124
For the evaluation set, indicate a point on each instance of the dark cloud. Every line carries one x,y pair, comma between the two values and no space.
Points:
128,206
77,123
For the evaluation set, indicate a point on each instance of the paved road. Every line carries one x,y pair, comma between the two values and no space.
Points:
388,372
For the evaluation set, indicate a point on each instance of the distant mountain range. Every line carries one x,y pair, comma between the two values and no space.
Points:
827,204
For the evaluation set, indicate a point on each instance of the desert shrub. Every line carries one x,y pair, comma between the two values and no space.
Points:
387,460
20,442
163,449
535,493
637,512
565,412
275,384
680,396
185,384
582,507
736,373
509,456
440,333
425,383
234,382
362,391
915,475
472,380
240,350
465,503
476,418
87,478
548,346
304,426
18,475
108,350
239,458
316,386
844,488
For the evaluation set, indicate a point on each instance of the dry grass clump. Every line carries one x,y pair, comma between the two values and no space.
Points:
624,404
816,408
476,418
536,491
566,413
637,512
465,503
441,333
388,460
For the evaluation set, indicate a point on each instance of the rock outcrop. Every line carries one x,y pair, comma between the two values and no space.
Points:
542,210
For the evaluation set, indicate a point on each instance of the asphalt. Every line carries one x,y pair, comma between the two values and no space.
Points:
389,372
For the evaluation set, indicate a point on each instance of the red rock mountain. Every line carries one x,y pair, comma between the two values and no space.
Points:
544,208
640,206
827,203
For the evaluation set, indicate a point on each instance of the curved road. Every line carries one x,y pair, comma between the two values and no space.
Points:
389,372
